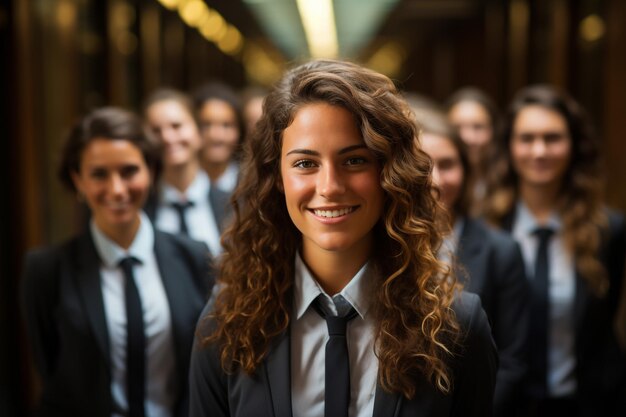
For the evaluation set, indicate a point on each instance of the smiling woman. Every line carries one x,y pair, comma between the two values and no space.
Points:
335,220
546,190
110,313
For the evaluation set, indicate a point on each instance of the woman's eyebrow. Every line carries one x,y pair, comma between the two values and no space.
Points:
315,153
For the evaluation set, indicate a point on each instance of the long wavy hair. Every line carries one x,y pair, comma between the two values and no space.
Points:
415,328
580,201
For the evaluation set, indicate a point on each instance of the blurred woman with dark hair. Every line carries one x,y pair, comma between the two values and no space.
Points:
489,262
110,314
219,114
475,116
182,202
332,300
546,190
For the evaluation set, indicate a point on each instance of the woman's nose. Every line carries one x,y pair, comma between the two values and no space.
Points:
116,184
330,181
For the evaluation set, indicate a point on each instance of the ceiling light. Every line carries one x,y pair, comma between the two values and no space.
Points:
318,20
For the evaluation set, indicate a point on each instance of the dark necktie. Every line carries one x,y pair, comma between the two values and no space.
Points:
135,342
337,381
539,316
181,207
218,201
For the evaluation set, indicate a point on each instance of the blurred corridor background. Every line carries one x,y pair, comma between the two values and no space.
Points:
61,58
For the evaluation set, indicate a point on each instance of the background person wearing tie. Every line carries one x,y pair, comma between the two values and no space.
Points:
546,189
333,301
489,261
182,202
110,313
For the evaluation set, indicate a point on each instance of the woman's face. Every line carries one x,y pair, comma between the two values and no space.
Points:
220,131
448,173
176,128
540,146
474,126
331,181
115,180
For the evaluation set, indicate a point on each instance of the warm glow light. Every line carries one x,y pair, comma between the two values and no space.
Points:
209,23
231,42
214,27
193,12
260,67
318,20
388,59
592,28
169,4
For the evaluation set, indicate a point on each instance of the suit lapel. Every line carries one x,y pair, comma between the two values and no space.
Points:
278,376
84,265
471,255
171,270
386,404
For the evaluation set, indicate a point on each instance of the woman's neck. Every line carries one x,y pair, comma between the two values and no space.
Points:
122,235
181,177
215,170
333,270
541,201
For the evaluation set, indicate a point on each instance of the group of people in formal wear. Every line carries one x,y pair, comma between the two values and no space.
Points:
357,251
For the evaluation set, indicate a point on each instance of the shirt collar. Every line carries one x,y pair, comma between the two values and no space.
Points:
197,190
527,223
111,253
307,289
451,240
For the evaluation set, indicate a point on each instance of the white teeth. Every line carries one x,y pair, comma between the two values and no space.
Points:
333,213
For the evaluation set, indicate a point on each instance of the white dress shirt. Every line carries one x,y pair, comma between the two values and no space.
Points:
199,217
228,180
450,242
561,364
309,335
160,363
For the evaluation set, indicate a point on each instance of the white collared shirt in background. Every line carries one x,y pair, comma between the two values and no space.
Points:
228,180
309,335
199,217
160,359
562,294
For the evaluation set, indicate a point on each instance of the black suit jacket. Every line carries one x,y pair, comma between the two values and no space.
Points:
600,363
492,266
268,392
66,322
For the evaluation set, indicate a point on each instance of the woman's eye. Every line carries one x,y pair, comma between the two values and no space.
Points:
304,163
129,171
356,160
98,174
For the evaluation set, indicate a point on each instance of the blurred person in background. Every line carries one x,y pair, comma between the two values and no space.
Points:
488,262
110,314
182,202
222,127
546,189
252,99
475,116
219,115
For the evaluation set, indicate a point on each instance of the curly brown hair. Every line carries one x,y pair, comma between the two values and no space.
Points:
415,327
580,202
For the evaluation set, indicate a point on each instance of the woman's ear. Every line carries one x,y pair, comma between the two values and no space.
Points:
78,185
77,180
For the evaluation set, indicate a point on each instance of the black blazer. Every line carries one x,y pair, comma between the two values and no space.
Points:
268,392
66,322
601,364
492,266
